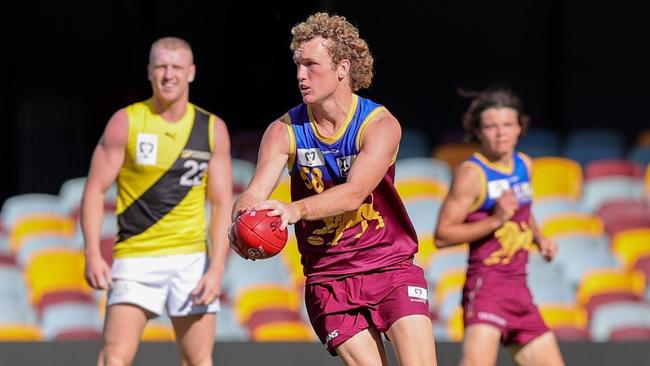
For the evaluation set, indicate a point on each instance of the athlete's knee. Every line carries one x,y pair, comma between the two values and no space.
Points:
111,358
196,360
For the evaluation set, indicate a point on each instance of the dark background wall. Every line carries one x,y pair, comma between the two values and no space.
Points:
575,63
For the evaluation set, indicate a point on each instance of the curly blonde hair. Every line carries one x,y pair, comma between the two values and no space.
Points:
345,44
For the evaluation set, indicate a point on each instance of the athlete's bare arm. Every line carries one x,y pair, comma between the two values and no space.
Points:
219,195
378,148
106,162
547,247
465,190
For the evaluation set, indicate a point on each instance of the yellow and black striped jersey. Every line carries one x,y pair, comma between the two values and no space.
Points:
162,183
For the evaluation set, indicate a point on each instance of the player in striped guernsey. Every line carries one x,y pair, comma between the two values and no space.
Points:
488,206
167,155
356,240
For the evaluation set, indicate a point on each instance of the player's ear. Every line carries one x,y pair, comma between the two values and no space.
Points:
343,69
190,78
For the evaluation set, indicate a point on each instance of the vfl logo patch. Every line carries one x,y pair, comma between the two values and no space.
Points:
146,149
345,163
419,293
310,157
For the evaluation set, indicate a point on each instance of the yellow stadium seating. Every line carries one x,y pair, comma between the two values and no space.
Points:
35,225
629,245
571,224
265,296
20,333
555,177
286,331
157,332
454,153
413,188
609,280
55,269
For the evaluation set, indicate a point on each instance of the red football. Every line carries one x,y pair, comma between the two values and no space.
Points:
258,235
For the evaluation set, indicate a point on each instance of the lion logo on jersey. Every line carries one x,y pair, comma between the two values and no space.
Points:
512,239
340,223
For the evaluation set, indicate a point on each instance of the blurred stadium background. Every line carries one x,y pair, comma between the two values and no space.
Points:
582,70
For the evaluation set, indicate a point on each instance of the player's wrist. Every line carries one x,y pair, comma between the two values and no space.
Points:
302,209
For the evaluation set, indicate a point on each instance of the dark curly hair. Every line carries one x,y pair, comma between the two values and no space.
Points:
494,97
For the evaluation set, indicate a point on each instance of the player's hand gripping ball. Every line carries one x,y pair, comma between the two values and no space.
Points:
259,236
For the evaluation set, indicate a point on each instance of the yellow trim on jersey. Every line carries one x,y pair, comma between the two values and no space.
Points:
330,140
481,196
369,118
528,162
211,131
292,142
507,169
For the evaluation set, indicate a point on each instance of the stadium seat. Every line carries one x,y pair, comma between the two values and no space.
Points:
539,142
454,153
572,224
158,332
581,137
564,316
423,213
241,274
585,154
596,192
624,214
39,225
286,331
546,282
423,168
70,316
414,143
630,334
639,155
264,297
630,245
448,291
606,285
53,270
37,243
618,315
245,144
242,173
612,168
544,209
446,260
555,177
228,327
579,254
16,207
283,190
455,325
20,333
72,190
415,188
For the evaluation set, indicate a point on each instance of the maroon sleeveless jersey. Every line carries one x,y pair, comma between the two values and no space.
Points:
378,234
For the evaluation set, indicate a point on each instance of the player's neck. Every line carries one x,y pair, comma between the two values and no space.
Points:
501,159
331,113
170,112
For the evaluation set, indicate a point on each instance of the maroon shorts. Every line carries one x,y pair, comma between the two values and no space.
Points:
339,309
504,304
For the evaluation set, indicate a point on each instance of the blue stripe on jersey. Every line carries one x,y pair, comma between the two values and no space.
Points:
499,180
333,157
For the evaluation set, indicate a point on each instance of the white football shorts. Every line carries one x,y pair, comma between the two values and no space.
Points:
159,283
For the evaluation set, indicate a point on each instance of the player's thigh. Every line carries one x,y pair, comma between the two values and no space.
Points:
480,345
365,348
541,351
412,339
122,330
195,337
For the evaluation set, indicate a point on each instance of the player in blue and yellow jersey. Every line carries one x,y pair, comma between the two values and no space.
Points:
355,237
488,206
168,156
